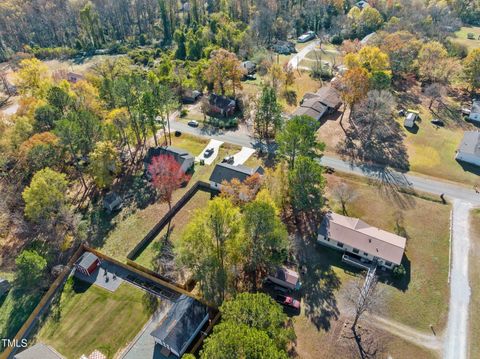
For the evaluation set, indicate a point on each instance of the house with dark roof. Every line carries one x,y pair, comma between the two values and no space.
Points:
190,96
183,158
221,105
180,326
323,102
226,172
87,263
360,242
469,149
38,351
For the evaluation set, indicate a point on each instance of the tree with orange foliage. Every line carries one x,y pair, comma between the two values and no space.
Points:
353,86
224,71
241,192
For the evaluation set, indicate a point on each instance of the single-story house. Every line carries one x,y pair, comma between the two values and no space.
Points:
249,66
73,77
311,107
360,242
475,111
286,277
87,263
112,202
325,101
226,172
39,351
410,119
221,105
190,96
4,286
184,158
469,149
181,325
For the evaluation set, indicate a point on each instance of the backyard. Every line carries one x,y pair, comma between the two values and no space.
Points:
461,37
88,317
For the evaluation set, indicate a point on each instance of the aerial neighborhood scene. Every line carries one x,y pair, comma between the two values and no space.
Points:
239,179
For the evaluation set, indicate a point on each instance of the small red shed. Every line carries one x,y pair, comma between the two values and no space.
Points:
87,263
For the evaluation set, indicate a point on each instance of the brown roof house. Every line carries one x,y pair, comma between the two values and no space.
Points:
361,243
469,149
323,102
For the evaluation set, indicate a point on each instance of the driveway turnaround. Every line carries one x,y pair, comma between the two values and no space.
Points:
239,158
457,326
215,144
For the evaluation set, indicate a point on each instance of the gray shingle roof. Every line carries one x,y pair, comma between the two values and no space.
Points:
38,351
181,323
226,172
179,154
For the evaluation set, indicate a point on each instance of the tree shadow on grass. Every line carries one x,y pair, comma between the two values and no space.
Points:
319,284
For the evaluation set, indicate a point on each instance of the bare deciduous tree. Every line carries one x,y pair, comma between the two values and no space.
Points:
434,91
344,194
365,297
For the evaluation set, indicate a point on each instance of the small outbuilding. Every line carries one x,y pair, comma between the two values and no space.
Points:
87,263
410,119
249,66
190,96
112,202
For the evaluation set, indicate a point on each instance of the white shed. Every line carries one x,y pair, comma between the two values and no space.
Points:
475,111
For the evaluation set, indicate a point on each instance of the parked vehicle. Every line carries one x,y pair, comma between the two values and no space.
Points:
281,290
287,301
209,152
193,123
437,122
309,35
4,287
229,159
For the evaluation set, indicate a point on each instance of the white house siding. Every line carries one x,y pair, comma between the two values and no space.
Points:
467,157
346,248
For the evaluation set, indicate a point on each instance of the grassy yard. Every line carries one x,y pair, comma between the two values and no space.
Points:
426,226
130,230
90,317
474,264
461,37
16,307
178,226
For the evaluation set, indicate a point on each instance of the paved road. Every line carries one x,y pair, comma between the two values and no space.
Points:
455,346
390,177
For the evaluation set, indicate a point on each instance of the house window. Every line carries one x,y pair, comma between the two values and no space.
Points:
339,244
389,264
328,239
355,250
365,254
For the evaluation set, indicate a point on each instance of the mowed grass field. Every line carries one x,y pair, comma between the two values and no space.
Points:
90,317
421,298
128,232
474,275
461,37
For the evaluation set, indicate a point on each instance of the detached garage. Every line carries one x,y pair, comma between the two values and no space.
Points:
469,149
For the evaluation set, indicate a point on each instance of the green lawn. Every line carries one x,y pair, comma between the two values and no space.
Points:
90,317
16,307
426,224
474,264
331,55
461,37
129,231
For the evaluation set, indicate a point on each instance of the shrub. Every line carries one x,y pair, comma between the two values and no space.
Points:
336,39
183,112
399,271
